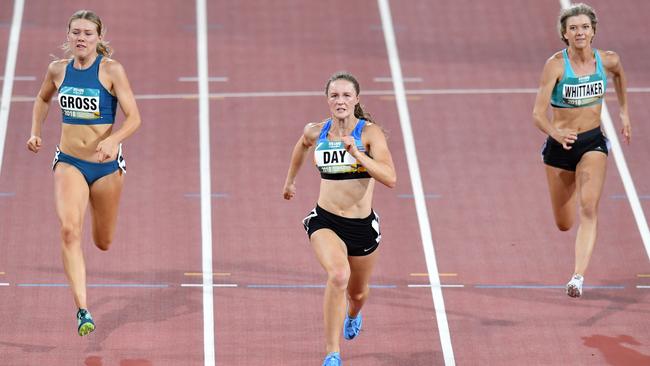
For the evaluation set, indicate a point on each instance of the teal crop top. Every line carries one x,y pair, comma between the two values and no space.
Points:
573,91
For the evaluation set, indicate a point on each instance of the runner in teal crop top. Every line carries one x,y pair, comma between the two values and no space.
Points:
573,91
575,150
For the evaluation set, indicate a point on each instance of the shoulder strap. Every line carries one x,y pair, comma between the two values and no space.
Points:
356,133
325,130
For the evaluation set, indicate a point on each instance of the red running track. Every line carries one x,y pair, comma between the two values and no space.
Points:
488,203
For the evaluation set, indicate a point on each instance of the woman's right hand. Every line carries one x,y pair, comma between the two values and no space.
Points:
565,137
34,143
289,190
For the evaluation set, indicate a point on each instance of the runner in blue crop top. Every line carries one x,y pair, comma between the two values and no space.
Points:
343,228
83,98
573,83
88,164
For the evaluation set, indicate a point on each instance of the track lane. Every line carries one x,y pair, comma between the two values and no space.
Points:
493,221
258,234
158,231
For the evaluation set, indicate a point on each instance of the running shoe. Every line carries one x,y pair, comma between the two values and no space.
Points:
574,287
332,359
352,326
85,322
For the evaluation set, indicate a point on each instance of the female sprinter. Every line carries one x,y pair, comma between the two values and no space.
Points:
88,164
351,153
575,153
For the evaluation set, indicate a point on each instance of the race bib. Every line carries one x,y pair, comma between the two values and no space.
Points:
331,157
82,103
582,94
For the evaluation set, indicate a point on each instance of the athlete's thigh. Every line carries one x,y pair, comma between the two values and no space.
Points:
360,270
104,201
330,249
562,187
590,177
70,194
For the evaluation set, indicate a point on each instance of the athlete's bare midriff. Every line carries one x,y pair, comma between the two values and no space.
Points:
577,119
351,198
81,141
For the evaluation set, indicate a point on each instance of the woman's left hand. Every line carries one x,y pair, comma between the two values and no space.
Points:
627,129
350,145
106,150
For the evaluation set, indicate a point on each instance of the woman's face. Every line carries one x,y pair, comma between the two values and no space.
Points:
83,38
341,98
579,31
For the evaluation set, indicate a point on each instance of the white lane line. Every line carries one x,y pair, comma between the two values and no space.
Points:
642,286
416,182
623,171
260,94
388,79
213,285
4,284
206,202
626,177
221,79
21,78
10,69
451,286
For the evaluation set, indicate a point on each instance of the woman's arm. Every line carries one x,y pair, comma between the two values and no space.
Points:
380,166
612,63
107,148
298,156
553,70
42,105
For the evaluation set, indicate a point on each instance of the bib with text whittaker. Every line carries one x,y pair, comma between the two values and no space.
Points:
574,91
581,91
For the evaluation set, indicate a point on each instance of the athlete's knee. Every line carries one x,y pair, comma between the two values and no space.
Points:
103,242
589,210
564,226
339,277
359,295
70,234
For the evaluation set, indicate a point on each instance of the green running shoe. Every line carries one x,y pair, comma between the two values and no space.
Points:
85,321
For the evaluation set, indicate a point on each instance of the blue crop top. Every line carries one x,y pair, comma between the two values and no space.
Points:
333,161
583,91
83,99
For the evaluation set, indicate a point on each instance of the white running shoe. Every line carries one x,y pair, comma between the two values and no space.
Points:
574,287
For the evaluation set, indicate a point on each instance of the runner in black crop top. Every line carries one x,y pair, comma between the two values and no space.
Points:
343,229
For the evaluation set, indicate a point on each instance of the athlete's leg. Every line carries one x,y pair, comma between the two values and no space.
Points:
360,270
105,195
71,199
562,187
332,255
590,177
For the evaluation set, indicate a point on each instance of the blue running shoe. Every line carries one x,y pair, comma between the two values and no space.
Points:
332,359
352,326
85,322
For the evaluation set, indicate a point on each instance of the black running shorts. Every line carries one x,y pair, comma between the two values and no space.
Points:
557,156
361,236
